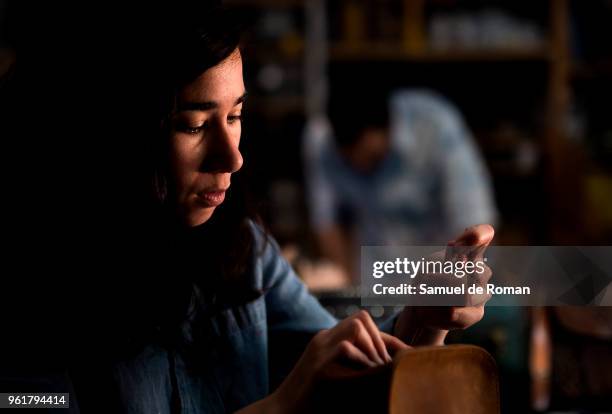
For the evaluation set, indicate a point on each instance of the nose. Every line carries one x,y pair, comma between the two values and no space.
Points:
223,155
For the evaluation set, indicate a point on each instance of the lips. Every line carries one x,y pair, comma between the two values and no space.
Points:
211,198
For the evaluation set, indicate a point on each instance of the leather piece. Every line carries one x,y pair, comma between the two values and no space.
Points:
450,379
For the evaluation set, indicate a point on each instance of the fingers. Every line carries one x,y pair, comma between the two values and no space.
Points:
471,245
450,317
485,276
478,300
364,341
357,339
478,235
375,334
473,242
341,351
481,280
393,343
348,350
467,316
363,333
354,329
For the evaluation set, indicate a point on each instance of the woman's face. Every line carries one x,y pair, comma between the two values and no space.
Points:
204,140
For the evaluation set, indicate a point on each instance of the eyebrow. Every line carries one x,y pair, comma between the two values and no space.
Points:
207,105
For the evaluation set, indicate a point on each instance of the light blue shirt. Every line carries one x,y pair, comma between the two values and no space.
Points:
224,362
431,186
219,361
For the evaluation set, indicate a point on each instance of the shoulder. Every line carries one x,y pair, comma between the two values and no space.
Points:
423,103
262,239
430,119
269,265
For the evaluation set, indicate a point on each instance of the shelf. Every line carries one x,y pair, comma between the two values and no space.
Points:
381,51
265,3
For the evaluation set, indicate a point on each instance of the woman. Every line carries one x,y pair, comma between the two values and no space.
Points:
230,288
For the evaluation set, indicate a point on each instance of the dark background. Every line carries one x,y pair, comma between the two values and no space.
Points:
68,172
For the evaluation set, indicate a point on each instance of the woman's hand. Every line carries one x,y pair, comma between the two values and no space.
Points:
429,325
333,354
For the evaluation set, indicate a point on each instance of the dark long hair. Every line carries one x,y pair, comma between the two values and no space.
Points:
214,256
217,253
96,236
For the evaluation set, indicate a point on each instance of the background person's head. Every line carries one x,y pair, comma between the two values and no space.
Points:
361,130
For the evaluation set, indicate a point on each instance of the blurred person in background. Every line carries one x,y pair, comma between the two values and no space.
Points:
401,170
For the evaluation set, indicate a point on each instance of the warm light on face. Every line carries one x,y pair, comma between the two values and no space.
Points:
204,140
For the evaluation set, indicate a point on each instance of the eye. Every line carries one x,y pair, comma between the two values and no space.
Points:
234,118
193,130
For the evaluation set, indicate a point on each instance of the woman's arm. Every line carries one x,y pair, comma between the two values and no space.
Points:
333,354
269,405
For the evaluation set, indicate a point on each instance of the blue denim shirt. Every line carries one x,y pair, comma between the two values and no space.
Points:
229,368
